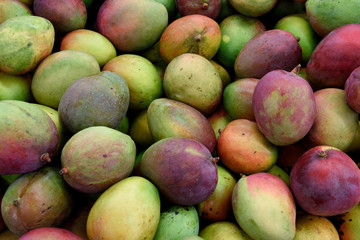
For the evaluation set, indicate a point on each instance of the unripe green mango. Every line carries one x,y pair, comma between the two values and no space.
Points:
264,207
12,8
129,209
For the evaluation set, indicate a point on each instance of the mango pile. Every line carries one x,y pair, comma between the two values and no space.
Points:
179,119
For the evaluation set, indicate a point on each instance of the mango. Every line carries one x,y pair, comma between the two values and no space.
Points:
36,199
223,230
24,42
139,130
264,207
129,209
348,224
54,233
181,168
28,137
12,8
352,87
255,8
15,87
97,100
219,119
170,118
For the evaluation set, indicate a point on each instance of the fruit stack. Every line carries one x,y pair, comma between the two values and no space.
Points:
179,119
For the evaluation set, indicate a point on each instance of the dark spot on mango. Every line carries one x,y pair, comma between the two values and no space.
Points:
29,44
254,152
105,155
341,233
210,209
350,220
243,134
176,213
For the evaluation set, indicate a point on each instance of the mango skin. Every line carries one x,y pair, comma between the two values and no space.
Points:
325,16
57,72
335,122
271,50
243,148
15,87
27,135
352,90
264,207
177,222
219,119
96,158
194,33
335,57
36,199
192,79
12,8
284,107
132,25
181,168
65,15
348,224
97,100
170,118
314,227
255,8
129,209
223,230
53,233
24,42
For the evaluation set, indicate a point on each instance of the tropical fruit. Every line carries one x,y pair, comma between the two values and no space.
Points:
36,199
97,100
223,230
54,233
271,50
219,119
132,25
28,137
254,8
129,209
284,107
347,224
14,87
12,8
97,157
264,207
181,168
192,79
209,8
339,49
139,130
352,90
20,55
325,181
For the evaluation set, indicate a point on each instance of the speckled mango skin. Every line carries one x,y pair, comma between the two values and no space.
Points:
326,185
170,118
335,122
348,224
129,209
96,158
244,149
37,199
264,207
194,33
97,100
335,57
181,168
267,51
27,133
284,107
24,42
352,90
314,227
132,25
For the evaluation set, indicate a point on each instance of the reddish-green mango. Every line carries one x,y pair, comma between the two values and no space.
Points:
271,50
97,157
65,15
97,100
170,118
53,233
28,137
284,107
219,119
264,207
209,8
352,90
335,57
37,199
132,25
181,168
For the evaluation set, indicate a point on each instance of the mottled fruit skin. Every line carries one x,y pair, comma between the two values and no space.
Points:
209,8
129,209
37,199
177,222
352,90
315,227
255,8
223,230
97,157
244,149
65,15
335,122
28,137
170,118
24,42
194,33
348,224
132,25
181,168
335,57
264,207
53,233
325,181
12,8
97,100
284,107
271,50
